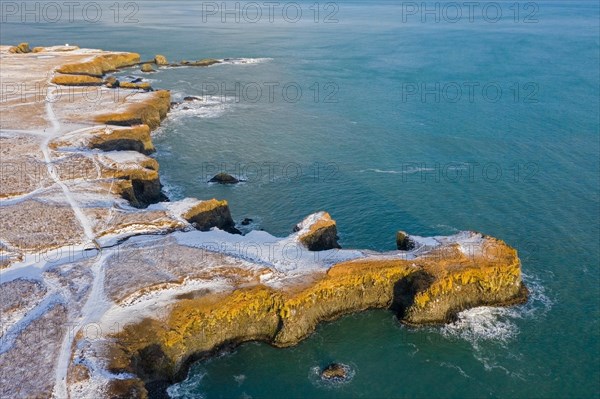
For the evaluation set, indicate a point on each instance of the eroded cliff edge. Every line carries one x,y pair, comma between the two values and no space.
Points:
121,317
426,286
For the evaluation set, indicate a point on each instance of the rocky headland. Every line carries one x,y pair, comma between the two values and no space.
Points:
112,290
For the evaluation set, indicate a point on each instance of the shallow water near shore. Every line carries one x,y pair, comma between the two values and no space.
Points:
357,143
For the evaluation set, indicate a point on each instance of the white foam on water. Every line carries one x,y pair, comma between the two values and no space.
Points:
406,171
314,376
482,323
486,323
244,61
454,366
239,378
484,326
187,388
207,107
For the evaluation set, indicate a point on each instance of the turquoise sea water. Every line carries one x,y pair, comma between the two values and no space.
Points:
364,143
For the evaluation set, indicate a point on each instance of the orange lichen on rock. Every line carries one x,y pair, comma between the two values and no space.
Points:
101,64
320,234
76,80
212,213
423,290
136,86
459,281
134,138
149,111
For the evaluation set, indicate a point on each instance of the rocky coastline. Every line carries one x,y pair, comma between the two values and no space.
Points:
166,283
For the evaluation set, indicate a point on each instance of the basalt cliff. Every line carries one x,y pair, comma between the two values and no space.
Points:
112,290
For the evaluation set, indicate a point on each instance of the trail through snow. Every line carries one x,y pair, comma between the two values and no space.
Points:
89,309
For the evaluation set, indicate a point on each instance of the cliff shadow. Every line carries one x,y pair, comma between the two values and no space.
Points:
406,289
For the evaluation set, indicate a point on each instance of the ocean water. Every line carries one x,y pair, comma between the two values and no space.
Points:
402,123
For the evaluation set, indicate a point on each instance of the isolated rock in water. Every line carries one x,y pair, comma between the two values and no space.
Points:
212,213
137,80
334,371
191,98
403,241
147,68
140,86
201,63
160,60
318,232
224,178
22,48
246,221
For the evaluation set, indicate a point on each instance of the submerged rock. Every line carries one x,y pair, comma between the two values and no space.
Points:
318,232
224,178
335,371
404,242
246,221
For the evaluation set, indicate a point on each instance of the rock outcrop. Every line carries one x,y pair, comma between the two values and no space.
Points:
134,138
160,60
403,241
224,178
318,232
101,64
200,63
148,110
212,213
334,371
147,68
77,80
22,48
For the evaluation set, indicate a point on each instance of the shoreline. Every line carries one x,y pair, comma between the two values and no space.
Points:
277,300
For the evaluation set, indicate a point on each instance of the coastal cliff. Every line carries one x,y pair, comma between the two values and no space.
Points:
88,239
429,289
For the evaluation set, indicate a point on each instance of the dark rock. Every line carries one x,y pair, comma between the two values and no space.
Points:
335,371
201,63
246,221
404,242
137,80
224,178
212,213
111,82
191,98
144,193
